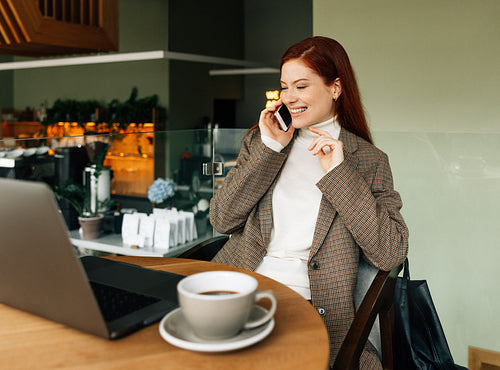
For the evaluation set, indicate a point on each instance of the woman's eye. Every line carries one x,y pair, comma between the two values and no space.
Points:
301,87
283,88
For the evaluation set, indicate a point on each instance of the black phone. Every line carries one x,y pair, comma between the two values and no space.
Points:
284,117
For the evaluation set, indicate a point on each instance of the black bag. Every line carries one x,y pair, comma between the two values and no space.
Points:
419,338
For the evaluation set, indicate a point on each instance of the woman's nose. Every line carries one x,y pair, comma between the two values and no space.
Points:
288,97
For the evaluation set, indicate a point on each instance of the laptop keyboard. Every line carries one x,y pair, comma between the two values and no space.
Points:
115,303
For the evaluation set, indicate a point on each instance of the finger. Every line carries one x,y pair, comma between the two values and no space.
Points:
275,106
321,141
321,149
272,108
268,115
319,132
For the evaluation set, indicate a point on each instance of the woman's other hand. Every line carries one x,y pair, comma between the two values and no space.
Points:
329,151
269,125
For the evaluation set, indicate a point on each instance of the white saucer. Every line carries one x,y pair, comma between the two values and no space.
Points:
175,330
42,150
15,153
29,152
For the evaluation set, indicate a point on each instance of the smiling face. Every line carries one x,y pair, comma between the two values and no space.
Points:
304,92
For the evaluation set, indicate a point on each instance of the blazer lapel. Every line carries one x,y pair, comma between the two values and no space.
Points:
350,144
327,213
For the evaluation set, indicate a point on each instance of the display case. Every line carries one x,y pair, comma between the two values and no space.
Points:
131,155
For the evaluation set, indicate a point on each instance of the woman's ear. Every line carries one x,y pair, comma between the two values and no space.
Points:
336,89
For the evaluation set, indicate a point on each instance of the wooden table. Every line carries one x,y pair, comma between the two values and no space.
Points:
298,341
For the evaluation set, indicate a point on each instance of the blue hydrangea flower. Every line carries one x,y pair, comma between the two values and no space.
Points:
161,190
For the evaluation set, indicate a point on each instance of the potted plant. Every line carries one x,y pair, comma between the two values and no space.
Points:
86,203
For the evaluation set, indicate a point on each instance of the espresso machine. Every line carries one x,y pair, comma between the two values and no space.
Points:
70,163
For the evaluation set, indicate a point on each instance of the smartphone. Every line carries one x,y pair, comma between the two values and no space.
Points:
284,117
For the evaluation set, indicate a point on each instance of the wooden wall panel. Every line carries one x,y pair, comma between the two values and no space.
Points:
483,359
58,27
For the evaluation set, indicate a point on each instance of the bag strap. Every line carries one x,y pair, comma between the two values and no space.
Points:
406,270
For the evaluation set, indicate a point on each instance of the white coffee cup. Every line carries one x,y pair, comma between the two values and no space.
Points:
217,304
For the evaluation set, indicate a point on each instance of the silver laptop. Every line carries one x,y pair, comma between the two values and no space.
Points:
41,273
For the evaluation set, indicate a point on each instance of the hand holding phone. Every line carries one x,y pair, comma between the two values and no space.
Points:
278,131
284,118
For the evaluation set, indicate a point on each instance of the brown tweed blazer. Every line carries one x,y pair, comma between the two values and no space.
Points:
359,214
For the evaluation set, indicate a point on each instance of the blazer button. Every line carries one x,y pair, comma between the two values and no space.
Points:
321,311
315,265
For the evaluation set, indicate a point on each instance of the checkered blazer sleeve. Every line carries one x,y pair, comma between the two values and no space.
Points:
362,193
256,168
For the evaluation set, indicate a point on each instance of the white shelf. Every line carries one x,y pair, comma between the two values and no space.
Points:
112,243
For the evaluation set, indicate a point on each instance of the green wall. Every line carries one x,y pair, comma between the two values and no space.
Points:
270,28
213,28
422,65
429,77
6,81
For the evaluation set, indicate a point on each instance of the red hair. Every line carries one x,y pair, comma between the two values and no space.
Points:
329,59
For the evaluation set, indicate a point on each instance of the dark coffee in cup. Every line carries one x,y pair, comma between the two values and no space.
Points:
218,292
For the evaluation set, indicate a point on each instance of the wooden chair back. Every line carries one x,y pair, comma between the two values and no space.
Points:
378,301
206,250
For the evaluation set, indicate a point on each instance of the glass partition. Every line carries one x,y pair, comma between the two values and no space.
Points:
131,161
226,147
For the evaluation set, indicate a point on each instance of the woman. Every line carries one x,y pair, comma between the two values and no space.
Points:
303,205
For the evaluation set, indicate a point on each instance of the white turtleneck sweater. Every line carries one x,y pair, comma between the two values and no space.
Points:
296,201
